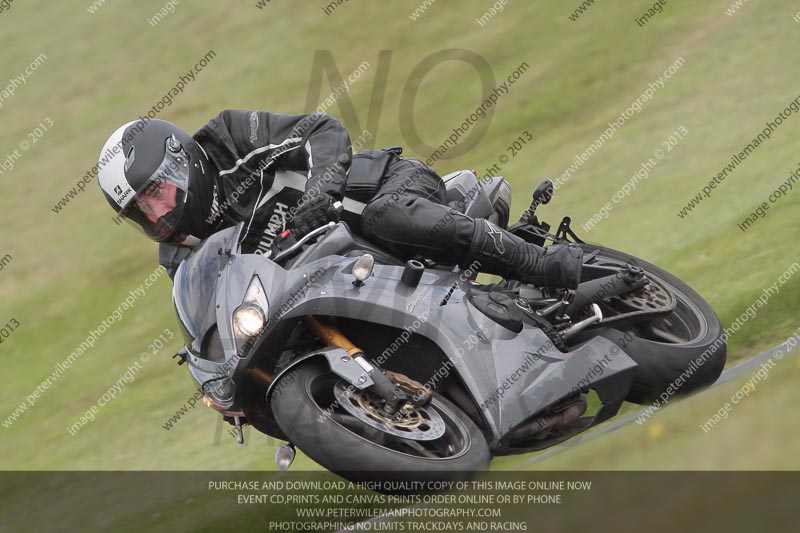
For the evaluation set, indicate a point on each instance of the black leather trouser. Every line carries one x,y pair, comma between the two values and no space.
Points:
409,216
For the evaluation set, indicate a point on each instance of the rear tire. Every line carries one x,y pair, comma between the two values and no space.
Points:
662,364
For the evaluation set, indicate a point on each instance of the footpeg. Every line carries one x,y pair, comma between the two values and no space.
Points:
596,317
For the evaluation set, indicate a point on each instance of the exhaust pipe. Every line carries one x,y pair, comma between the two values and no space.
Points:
565,414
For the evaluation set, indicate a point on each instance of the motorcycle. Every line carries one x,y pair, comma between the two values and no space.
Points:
379,368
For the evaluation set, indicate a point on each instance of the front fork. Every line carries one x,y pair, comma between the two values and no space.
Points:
394,397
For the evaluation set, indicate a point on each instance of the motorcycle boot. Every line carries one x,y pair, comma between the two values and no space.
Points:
505,254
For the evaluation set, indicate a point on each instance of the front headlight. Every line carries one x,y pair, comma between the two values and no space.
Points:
220,389
250,318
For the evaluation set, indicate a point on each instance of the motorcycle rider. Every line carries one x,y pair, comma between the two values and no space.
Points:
179,189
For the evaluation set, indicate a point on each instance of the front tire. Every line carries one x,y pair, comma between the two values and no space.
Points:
301,404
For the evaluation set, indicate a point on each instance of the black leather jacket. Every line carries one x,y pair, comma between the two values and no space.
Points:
265,162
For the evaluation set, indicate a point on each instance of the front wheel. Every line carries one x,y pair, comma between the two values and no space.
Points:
346,431
678,351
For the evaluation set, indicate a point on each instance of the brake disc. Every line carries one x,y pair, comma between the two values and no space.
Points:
418,423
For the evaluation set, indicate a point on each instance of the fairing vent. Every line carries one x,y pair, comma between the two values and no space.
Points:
212,346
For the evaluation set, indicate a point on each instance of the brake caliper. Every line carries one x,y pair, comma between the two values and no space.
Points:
419,394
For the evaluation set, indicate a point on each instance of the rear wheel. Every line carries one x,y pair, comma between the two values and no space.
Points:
667,328
345,430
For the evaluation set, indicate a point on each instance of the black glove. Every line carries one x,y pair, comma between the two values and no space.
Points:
317,211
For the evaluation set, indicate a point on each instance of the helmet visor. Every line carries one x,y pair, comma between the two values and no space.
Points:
157,207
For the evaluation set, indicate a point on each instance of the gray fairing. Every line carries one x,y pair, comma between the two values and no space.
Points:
488,357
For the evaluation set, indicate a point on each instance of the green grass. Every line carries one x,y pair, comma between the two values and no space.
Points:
70,270
674,439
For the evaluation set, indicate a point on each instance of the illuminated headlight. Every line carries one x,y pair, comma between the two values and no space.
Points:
249,318
362,268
